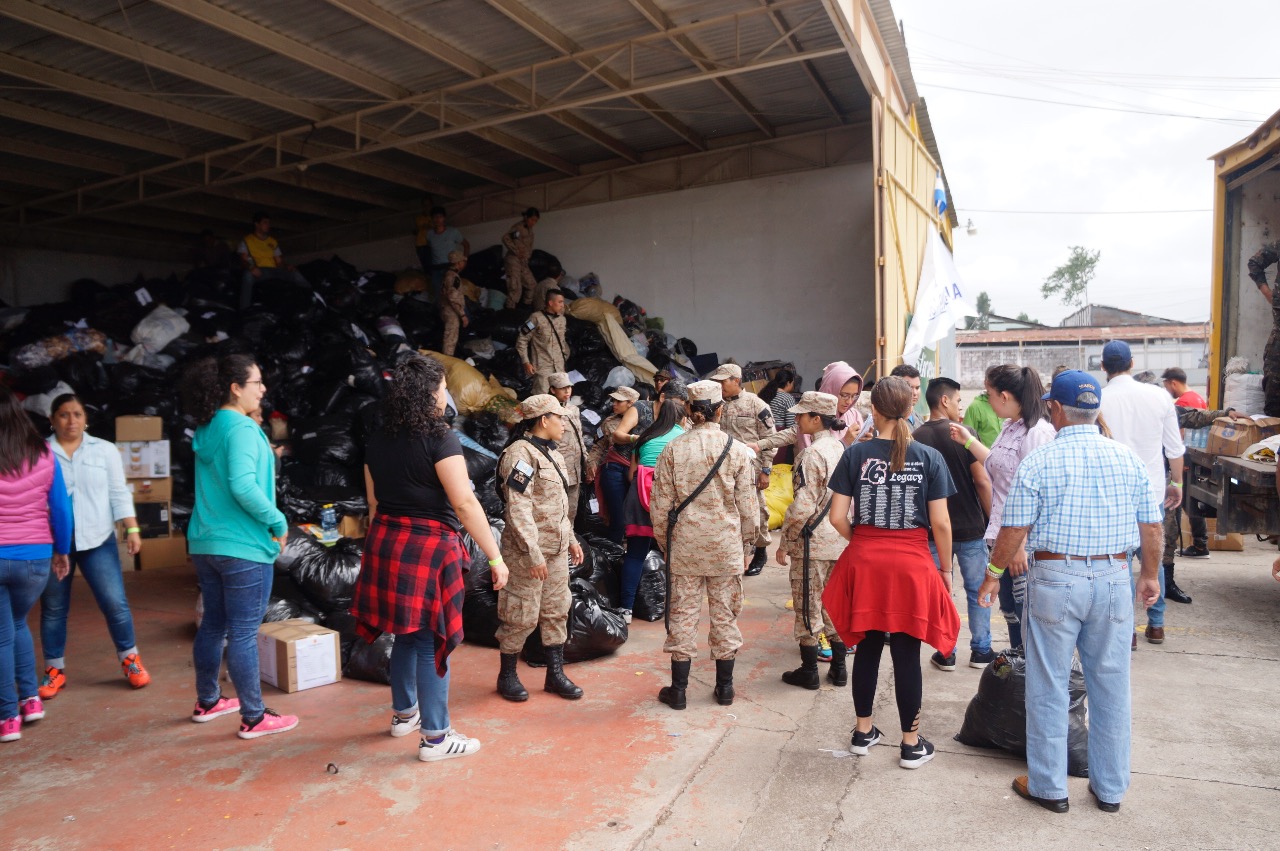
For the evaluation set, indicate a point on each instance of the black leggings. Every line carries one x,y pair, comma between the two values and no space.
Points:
908,685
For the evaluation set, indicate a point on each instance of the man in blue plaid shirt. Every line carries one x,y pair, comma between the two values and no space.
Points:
1086,502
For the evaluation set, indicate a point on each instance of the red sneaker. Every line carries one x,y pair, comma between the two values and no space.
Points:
223,706
270,722
54,681
134,672
31,709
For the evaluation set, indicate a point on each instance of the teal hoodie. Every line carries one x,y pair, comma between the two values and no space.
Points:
235,513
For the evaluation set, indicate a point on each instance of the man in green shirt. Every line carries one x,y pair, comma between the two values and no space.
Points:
982,419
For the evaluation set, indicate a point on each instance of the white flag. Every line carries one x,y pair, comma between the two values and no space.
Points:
941,300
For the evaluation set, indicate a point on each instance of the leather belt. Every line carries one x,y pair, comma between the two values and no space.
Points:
1043,555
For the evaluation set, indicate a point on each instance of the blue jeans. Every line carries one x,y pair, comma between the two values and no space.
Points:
614,484
1155,614
235,599
1013,593
101,569
20,584
414,681
632,569
973,558
1085,605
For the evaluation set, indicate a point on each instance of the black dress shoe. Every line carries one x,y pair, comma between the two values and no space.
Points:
757,562
1103,805
1053,805
1171,589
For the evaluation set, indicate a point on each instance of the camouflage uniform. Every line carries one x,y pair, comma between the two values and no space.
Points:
811,474
574,450
453,308
748,418
1269,255
540,292
542,343
707,544
518,241
538,531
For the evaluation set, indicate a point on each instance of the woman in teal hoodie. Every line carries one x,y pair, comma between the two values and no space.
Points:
234,536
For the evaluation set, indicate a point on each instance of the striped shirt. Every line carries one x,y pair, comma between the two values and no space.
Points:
1082,494
783,419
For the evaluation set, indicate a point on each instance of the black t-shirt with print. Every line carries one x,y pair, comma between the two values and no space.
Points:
892,500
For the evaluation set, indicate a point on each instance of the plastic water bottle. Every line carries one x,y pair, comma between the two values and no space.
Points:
328,522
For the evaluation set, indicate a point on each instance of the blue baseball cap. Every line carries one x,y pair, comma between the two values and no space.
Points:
1117,355
1075,389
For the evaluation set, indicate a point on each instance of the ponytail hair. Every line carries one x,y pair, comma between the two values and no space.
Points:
1023,383
891,398
703,411
781,378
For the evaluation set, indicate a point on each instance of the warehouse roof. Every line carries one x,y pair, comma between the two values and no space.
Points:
167,115
1099,333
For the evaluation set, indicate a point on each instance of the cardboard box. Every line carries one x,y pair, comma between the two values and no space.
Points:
163,552
134,428
1233,437
145,459
295,655
1229,543
151,490
353,527
153,519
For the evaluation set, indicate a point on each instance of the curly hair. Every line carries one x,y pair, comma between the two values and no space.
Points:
409,408
206,385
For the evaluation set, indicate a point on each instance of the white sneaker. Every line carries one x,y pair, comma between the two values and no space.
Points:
405,726
626,615
454,744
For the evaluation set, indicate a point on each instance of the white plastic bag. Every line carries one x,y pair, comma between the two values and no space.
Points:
620,376
1243,391
159,328
41,403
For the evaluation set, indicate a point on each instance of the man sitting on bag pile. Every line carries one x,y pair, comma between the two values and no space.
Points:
542,345
748,418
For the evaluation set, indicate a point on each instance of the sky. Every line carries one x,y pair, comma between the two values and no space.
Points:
1007,151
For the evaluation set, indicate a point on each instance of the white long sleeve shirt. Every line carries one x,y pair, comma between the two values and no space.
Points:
99,493
1142,417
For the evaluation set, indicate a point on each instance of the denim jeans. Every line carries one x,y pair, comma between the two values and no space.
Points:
414,681
20,584
973,558
1155,614
101,569
235,599
632,569
614,484
1084,605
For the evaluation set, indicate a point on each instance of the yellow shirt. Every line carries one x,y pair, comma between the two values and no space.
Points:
263,252
421,223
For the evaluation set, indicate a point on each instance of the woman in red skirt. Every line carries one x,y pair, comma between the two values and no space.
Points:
886,581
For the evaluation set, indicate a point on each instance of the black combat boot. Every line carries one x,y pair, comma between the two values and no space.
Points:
557,682
806,676
673,695
724,682
1171,589
838,674
509,685
757,562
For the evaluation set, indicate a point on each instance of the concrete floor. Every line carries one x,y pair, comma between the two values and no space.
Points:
113,768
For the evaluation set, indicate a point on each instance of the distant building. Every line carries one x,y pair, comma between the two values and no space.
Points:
1100,315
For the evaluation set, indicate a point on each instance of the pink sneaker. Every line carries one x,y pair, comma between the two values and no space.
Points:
31,709
11,729
224,706
270,722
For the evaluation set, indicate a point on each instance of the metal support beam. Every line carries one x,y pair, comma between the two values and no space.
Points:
786,31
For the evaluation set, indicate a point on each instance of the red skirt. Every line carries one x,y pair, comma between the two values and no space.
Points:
886,581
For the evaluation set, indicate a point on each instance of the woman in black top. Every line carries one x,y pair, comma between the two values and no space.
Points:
410,581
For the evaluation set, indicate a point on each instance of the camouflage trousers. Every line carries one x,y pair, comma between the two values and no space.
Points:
724,600
451,328
763,539
527,603
541,383
520,282
819,620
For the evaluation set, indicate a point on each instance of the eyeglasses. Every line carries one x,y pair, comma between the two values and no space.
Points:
255,381
850,397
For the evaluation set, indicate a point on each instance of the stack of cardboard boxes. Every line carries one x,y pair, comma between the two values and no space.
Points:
145,454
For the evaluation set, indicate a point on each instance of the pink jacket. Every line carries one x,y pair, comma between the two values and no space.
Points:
24,504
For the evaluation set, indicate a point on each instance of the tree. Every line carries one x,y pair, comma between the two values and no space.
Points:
1070,281
1023,317
983,320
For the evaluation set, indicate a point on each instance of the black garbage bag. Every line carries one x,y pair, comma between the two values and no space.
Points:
651,596
280,609
490,501
632,315
596,368
997,717
606,567
85,373
585,568
303,506
506,325
487,429
480,606
325,440
283,587
328,575
480,466
485,268
583,337
299,543
344,623
595,628
370,661
540,264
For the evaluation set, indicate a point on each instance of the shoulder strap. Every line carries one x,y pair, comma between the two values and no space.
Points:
807,531
554,333
547,454
673,517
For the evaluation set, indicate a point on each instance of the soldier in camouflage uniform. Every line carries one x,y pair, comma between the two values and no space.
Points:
537,546
1269,255
541,345
518,241
705,551
815,415
571,446
748,418
453,304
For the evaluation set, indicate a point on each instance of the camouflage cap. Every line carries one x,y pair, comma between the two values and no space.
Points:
539,406
706,390
558,380
724,371
624,394
813,402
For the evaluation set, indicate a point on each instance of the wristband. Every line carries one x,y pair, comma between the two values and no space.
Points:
1177,485
994,571
132,530
992,575
494,562
968,442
